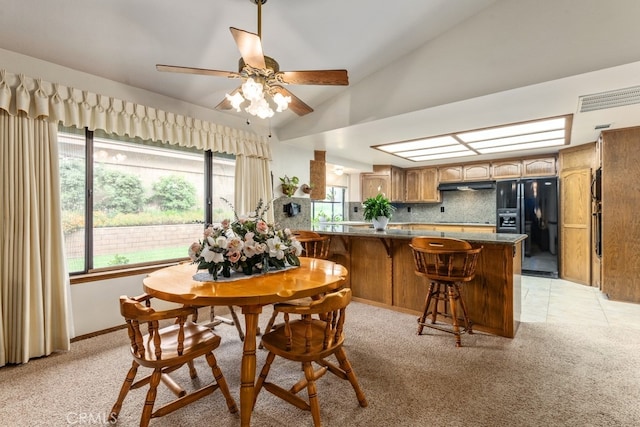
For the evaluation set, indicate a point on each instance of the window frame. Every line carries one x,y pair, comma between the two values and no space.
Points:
90,273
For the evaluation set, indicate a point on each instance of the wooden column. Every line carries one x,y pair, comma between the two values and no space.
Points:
318,176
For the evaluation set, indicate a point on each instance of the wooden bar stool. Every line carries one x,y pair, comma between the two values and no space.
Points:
447,263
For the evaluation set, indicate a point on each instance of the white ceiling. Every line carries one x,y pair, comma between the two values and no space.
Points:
416,68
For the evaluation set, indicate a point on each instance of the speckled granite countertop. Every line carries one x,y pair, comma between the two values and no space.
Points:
356,223
348,230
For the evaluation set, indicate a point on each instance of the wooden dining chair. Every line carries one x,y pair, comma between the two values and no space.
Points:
310,341
446,263
314,245
164,350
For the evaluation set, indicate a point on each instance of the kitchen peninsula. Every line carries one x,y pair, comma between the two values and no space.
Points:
382,272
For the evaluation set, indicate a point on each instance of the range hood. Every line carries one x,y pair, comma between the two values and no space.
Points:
467,186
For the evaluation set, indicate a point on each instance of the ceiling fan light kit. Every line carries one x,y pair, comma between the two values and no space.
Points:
263,80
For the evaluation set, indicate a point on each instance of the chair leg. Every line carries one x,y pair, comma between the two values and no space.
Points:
126,386
465,315
345,365
236,322
222,382
437,295
270,323
454,314
192,370
147,411
427,303
263,376
312,391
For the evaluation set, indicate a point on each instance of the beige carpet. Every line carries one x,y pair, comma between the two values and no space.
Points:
546,376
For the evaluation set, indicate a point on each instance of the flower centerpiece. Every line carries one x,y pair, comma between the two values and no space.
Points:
248,244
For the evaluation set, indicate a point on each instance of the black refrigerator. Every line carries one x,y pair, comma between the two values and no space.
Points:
530,206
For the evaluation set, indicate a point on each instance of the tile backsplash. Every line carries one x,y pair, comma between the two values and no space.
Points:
475,206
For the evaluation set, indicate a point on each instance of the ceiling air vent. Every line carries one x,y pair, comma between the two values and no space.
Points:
610,99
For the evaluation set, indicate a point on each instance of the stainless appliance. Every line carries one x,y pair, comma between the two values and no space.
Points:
530,206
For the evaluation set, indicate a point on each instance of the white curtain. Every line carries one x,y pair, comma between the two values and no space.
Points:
34,304
252,184
34,286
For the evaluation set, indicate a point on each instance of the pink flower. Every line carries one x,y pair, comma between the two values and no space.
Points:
233,256
194,250
262,227
225,223
209,231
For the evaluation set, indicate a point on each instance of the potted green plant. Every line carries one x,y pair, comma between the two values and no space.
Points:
378,209
289,185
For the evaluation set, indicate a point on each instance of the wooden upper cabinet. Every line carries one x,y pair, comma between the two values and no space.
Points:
422,185
506,169
476,172
450,173
397,184
384,179
539,167
372,184
465,172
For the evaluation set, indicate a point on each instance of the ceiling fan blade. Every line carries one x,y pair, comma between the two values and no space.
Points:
225,104
250,47
296,105
315,77
201,71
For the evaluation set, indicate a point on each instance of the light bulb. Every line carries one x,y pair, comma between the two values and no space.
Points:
235,100
281,101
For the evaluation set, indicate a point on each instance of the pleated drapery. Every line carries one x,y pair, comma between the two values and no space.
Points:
81,108
34,286
252,184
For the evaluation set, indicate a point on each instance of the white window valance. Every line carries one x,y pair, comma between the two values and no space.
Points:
81,108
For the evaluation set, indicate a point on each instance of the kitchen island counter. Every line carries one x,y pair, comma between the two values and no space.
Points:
382,272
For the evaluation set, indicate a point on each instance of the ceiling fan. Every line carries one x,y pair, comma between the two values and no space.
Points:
262,75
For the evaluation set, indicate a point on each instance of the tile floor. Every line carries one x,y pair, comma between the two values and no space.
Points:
560,301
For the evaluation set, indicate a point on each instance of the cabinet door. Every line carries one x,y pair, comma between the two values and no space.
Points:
372,184
450,173
506,169
397,185
429,190
422,185
575,226
476,172
539,167
412,185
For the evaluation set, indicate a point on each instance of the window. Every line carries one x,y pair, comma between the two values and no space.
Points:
331,208
128,201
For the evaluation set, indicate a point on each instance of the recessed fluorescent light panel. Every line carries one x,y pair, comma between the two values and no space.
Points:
531,135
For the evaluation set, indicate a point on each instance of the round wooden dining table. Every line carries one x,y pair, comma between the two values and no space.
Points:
176,284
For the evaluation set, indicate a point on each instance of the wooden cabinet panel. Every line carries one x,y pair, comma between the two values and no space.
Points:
506,169
422,185
575,225
450,173
539,167
371,269
384,179
372,184
476,172
620,203
397,185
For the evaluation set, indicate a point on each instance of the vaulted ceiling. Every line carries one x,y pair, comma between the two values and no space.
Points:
416,68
